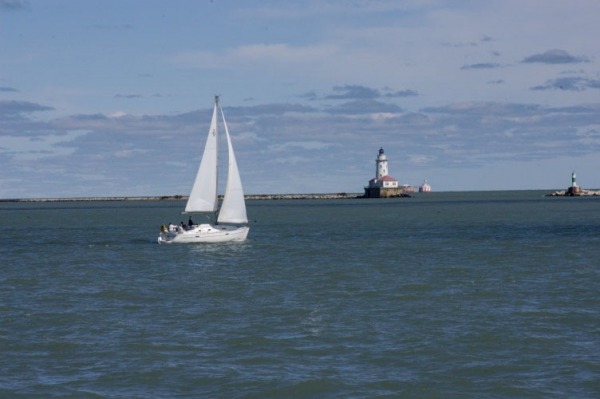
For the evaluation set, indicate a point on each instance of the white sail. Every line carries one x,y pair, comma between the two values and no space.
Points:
233,209
203,197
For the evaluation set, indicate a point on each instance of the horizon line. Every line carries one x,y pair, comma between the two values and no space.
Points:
246,196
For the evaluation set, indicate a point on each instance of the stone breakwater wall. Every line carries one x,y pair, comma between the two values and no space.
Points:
183,197
99,199
301,196
582,193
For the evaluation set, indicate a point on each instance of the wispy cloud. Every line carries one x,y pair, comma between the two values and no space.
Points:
304,145
401,93
13,109
8,89
353,92
34,148
569,83
13,5
366,106
483,65
358,92
270,109
554,57
255,54
128,96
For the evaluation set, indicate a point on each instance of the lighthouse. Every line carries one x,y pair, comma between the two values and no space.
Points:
574,189
381,165
383,185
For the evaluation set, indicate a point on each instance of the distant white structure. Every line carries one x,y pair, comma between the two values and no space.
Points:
383,185
425,187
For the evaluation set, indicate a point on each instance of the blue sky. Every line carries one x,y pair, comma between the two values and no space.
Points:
111,98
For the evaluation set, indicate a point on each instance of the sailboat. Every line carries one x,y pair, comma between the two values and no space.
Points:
231,219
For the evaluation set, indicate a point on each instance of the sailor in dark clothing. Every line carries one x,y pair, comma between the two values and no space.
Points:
190,222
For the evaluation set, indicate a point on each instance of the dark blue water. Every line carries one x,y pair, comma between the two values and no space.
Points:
462,295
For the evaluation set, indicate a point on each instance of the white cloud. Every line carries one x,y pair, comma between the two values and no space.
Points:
129,153
255,55
304,145
420,159
117,114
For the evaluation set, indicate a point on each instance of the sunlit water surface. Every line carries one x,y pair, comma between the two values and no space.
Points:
464,295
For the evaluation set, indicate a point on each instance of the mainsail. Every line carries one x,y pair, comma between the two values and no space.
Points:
203,197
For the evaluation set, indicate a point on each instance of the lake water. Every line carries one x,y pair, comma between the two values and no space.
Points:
443,295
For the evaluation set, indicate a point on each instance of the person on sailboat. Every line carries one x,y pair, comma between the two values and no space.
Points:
190,222
172,227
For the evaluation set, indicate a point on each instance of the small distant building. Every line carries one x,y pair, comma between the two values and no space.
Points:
425,187
383,185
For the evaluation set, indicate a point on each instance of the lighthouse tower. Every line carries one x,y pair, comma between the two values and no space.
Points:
574,189
381,165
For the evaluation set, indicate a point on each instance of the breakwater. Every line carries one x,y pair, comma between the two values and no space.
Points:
569,193
301,196
185,197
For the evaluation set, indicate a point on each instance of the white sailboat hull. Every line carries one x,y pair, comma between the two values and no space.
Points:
206,233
